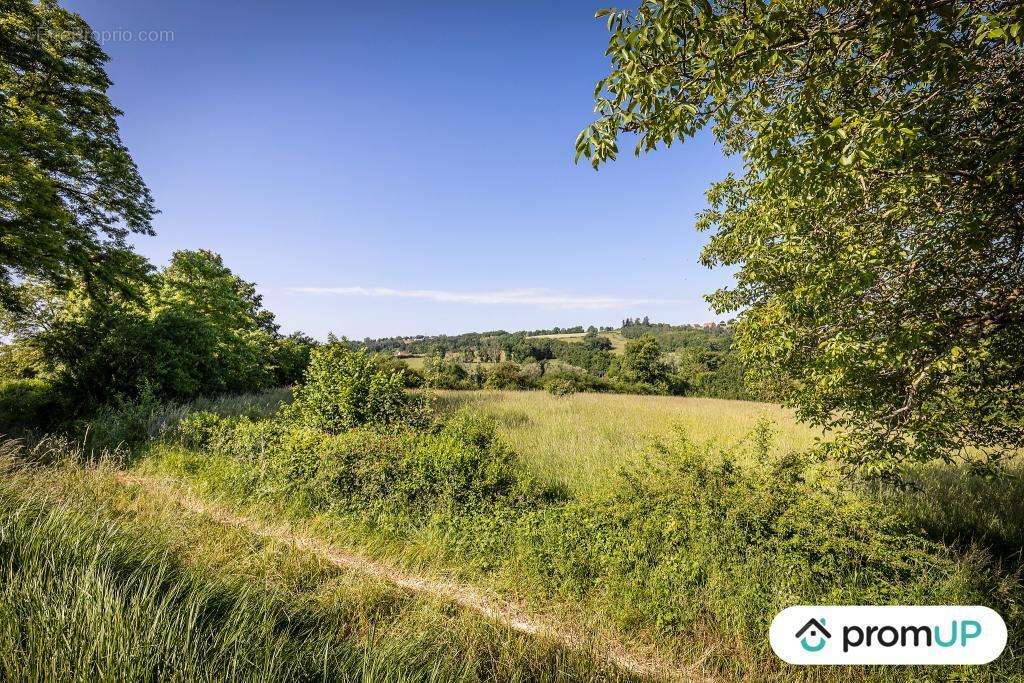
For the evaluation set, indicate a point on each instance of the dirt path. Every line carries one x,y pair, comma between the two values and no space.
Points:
507,613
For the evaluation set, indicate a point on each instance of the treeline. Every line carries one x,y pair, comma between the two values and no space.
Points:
682,360
196,329
590,354
192,329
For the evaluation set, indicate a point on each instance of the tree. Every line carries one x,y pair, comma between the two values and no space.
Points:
197,284
198,330
878,225
199,281
70,193
642,363
290,357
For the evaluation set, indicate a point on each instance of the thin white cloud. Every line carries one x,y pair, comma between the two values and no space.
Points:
542,298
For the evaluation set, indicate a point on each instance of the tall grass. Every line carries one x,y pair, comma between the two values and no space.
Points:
690,555
685,557
97,583
583,440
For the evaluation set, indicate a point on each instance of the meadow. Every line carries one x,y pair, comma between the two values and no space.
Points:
188,493
522,536
617,340
584,440
105,579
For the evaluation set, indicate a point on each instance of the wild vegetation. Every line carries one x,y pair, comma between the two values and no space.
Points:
877,223
102,579
680,558
192,495
582,441
638,358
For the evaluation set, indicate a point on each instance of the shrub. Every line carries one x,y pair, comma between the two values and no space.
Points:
290,357
120,423
128,422
446,373
702,540
344,389
411,378
560,386
30,405
565,382
198,430
689,541
508,376
460,464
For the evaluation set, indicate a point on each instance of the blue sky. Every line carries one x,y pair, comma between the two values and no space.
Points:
401,168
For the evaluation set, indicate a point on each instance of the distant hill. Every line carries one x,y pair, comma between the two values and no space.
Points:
701,354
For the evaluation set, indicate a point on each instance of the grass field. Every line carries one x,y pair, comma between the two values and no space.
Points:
583,440
106,580
616,338
239,545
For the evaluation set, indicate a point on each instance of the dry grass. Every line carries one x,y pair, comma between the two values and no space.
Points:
583,440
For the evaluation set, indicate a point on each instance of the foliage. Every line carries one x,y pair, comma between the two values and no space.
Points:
402,472
712,367
699,372
694,537
30,404
123,422
343,389
642,364
877,225
70,194
97,352
691,541
509,376
565,382
290,357
583,440
199,330
440,372
138,589
18,361
412,378
242,333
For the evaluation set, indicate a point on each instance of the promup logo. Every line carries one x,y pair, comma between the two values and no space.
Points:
817,630
888,635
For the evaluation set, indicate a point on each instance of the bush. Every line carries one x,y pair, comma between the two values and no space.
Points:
198,430
344,389
446,373
460,464
290,357
30,405
703,540
560,386
691,541
508,376
565,382
412,379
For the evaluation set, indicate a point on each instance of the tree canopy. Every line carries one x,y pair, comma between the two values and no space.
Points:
198,329
879,220
70,193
